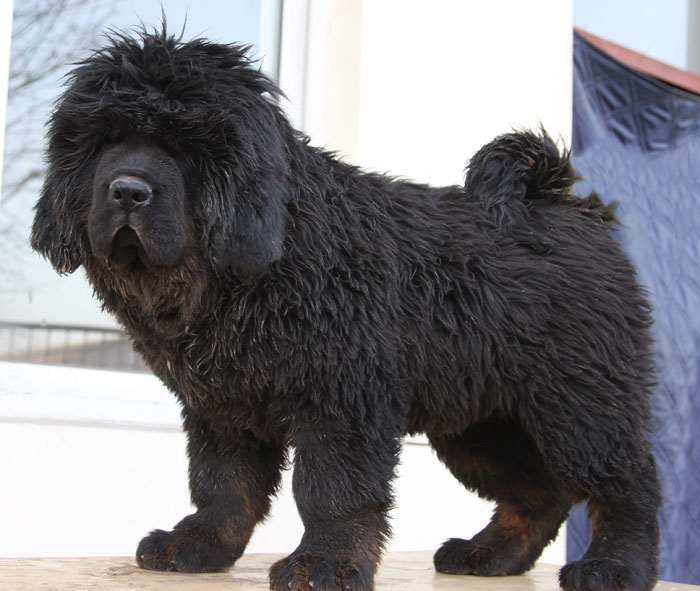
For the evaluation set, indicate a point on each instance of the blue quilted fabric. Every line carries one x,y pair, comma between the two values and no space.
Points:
637,141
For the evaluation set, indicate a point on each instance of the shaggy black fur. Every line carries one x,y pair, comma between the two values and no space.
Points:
291,300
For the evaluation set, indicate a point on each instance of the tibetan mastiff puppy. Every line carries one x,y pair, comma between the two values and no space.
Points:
291,300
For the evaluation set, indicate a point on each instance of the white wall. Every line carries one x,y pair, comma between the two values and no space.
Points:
454,74
415,87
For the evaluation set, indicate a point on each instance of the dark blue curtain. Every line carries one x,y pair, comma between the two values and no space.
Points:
636,141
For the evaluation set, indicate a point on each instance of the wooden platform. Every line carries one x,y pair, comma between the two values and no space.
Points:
405,571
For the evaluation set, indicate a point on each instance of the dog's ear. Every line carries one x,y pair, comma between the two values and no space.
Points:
247,233
250,239
54,232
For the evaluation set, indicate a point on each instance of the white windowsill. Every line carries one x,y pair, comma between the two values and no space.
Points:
56,394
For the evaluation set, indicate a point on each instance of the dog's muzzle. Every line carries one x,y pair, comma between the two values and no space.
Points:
129,192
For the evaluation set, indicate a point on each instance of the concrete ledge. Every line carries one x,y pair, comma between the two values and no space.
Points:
407,571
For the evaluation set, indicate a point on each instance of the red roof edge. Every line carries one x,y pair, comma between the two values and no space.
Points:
670,74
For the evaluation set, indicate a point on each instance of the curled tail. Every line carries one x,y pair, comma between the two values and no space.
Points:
515,169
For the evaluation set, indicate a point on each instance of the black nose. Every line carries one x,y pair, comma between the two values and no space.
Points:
129,192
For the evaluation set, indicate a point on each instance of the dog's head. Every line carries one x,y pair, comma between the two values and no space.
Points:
158,147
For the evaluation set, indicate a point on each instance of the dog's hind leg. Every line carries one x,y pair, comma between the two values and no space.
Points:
624,543
500,461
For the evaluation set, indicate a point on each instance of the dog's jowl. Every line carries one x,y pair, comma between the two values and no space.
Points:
289,299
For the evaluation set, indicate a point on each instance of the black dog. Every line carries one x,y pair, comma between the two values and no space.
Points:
291,300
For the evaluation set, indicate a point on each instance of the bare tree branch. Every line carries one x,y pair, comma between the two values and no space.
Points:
47,37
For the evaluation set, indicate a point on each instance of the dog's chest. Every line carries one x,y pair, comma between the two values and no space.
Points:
221,378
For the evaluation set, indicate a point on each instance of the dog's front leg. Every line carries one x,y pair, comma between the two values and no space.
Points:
342,487
232,478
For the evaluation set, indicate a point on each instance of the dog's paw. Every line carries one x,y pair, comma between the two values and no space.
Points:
320,572
602,574
464,557
183,552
